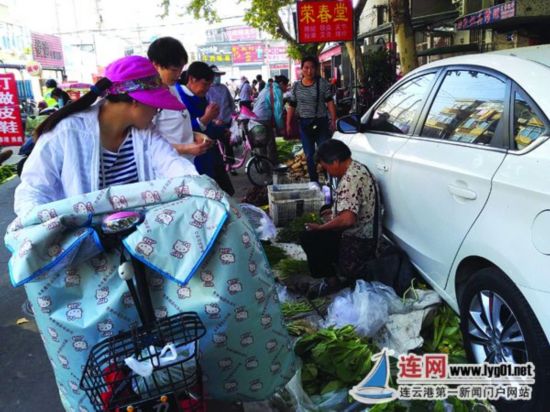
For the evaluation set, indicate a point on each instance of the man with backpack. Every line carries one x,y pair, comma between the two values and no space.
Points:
350,236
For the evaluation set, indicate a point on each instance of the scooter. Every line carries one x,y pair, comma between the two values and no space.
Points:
151,367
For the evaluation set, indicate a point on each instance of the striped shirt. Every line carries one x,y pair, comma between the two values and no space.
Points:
303,99
118,168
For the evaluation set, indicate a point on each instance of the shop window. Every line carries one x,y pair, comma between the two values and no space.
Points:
473,103
528,126
399,110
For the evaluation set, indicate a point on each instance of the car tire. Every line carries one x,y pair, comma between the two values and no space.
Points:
492,285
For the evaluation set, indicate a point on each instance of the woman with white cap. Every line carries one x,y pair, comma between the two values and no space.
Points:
85,146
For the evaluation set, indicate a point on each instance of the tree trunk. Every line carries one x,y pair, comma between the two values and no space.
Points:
356,59
404,35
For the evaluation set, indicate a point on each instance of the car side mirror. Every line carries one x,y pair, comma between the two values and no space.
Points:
349,124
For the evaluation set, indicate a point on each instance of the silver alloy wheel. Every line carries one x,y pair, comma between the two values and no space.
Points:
494,332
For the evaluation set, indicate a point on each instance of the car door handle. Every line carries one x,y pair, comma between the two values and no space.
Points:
382,167
462,192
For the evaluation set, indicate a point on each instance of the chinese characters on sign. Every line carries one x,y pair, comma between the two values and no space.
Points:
276,54
322,21
241,33
247,53
11,128
487,16
431,377
47,50
215,57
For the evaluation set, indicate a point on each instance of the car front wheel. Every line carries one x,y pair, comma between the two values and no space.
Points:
499,326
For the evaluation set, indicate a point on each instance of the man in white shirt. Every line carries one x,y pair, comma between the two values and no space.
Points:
169,57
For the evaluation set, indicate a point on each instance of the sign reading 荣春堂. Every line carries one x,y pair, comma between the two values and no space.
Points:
325,20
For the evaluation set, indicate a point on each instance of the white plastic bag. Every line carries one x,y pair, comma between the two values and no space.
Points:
260,221
236,137
363,308
329,402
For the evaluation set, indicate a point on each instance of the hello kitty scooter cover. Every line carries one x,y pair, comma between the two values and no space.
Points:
202,255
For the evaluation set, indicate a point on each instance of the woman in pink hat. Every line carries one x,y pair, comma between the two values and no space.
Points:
84,146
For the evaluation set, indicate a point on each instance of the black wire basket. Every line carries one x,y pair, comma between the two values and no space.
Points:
112,386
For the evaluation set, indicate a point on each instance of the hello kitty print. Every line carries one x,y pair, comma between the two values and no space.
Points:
206,258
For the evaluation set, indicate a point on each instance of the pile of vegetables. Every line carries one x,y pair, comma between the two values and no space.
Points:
291,232
333,359
273,253
291,309
284,150
288,267
6,172
444,336
301,327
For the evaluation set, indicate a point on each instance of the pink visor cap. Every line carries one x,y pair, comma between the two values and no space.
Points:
137,77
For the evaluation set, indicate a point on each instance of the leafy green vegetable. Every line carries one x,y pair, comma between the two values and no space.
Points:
301,327
290,309
273,253
333,358
291,232
7,171
284,150
446,336
290,267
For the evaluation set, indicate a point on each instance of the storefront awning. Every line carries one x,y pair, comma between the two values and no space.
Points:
327,55
418,23
458,48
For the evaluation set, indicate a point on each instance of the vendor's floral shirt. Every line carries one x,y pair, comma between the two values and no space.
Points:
356,193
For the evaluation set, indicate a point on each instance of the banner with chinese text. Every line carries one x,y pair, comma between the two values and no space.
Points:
216,58
248,53
241,33
487,16
325,20
11,127
276,53
47,50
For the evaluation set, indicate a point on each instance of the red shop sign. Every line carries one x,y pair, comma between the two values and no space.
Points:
325,20
11,128
247,53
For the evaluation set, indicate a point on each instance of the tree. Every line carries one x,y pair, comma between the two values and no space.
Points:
404,35
264,15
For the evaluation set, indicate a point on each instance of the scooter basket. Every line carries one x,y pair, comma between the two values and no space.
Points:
112,386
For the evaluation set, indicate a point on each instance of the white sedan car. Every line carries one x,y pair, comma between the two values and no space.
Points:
460,150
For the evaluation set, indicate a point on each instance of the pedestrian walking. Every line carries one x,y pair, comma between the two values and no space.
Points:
311,99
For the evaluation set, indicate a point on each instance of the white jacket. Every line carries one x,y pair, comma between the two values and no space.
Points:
65,161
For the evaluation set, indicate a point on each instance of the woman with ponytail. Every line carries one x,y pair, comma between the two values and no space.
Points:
89,144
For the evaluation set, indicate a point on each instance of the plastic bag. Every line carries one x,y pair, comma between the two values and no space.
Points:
401,333
329,402
236,137
260,221
282,293
363,308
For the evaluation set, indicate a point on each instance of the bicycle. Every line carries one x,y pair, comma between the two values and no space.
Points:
150,368
259,169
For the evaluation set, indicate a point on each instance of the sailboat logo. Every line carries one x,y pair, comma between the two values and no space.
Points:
374,388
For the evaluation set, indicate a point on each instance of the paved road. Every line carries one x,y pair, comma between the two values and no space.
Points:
26,377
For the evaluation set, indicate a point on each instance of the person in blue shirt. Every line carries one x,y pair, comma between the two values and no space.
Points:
195,83
268,109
